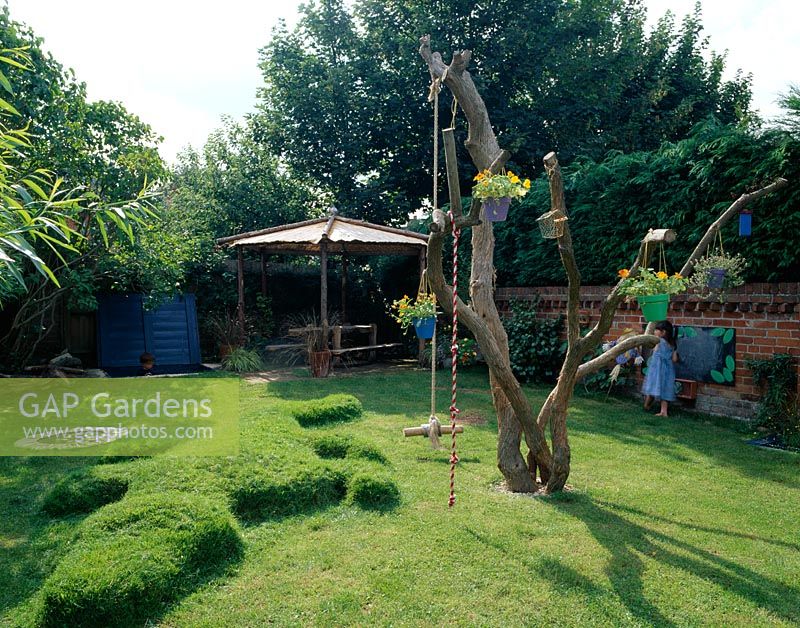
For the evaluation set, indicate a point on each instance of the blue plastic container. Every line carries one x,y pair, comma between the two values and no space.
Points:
746,223
425,327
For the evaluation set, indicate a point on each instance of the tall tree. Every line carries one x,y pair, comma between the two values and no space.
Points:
341,96
515,416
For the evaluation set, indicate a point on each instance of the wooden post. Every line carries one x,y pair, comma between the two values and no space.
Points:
344,289
240,283
373,339
336,333
420,341
323,292
323,296
263,273
452,171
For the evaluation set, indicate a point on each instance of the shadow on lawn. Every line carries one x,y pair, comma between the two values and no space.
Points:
32,543
626,541
672,438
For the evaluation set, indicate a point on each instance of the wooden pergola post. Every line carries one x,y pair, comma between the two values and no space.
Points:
344,289
263,273
240,285
323,293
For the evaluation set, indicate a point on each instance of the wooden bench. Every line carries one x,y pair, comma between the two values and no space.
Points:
291,345
370,348
688,389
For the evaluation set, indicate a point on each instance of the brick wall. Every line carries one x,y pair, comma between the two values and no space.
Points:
766,318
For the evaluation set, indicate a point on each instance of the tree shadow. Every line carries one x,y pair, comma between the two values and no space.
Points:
626,541
31,541
629,589
672,438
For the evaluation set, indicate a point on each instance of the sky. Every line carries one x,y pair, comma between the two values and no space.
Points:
181,65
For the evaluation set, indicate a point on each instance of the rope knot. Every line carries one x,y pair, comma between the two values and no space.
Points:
453,458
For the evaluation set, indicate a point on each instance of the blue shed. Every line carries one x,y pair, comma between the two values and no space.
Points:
125,330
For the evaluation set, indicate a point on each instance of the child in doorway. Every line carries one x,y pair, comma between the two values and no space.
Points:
660,379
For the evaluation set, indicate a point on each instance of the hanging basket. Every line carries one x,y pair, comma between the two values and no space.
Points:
552,223
654,306
496,209
715,277
424,327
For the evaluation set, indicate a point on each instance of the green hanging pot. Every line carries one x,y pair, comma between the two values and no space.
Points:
654,306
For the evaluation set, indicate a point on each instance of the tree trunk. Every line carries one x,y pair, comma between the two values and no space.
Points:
514,414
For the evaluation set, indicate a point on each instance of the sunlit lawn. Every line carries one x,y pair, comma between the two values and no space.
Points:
670,522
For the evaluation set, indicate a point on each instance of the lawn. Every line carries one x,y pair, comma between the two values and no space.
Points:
669,522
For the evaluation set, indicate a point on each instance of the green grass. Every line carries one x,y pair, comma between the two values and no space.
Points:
671,522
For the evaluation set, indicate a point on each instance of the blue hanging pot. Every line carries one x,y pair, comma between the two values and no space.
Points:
425,327
746,223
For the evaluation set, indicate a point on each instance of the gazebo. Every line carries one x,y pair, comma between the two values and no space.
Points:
331,235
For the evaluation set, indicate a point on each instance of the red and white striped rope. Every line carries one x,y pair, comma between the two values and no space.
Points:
454,354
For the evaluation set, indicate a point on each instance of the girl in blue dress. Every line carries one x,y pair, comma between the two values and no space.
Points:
660,379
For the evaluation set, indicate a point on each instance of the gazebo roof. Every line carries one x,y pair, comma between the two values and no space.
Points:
336,233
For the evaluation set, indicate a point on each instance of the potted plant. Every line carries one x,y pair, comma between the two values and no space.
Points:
319,356
496,192
306,342
652,290
419,313
227,332
716,273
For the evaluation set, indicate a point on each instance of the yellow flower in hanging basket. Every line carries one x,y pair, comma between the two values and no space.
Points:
405,310
647,282
499,185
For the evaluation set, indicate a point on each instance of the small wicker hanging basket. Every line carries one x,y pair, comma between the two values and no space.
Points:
551,224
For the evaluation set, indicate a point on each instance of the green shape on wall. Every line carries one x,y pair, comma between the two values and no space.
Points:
727,374
728,336
717,377
718,331
691,332
730,363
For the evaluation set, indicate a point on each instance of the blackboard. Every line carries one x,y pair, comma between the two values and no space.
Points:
707,354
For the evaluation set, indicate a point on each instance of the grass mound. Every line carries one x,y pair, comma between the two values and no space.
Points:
339,446
373,492
82,491
133,557
263,495
331,409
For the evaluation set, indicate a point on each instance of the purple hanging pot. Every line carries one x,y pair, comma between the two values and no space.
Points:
496,209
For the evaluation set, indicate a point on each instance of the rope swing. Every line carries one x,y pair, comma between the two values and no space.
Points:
433,429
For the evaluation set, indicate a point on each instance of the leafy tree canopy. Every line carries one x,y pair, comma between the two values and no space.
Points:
682,186
344,92
236,184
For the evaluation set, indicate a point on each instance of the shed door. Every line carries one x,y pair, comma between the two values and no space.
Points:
126,330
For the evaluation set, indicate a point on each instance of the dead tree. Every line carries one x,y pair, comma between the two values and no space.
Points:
515,417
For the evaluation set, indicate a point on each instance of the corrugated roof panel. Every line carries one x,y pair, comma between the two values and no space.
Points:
340,231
